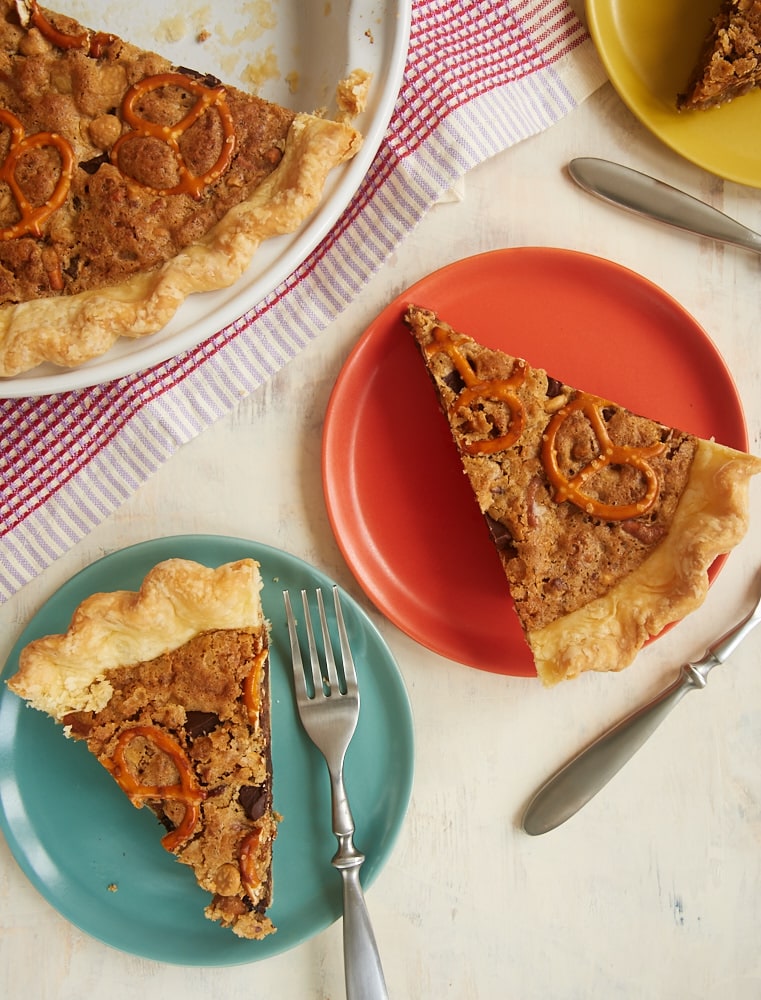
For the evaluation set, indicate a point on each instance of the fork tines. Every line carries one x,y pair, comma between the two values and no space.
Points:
323,673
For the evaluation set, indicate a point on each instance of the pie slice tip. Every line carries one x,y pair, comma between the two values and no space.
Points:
169,687
729,64
605,522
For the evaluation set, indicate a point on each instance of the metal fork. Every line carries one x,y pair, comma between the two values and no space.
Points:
329,713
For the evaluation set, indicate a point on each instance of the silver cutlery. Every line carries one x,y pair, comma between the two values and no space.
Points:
587,773
657,200
328,706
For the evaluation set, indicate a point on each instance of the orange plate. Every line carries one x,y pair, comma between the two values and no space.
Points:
399,504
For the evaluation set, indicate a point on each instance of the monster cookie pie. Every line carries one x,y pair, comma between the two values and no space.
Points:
605,522
127,183
729,64
169,687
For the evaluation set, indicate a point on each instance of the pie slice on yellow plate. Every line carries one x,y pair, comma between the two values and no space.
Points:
729,64
127,184
169,687
605,522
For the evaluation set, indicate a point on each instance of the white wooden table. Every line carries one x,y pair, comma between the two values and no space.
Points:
654,890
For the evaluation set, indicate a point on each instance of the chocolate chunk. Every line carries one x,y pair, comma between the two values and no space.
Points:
162,817
454,381
72,267
93,165
206,79
499,533
79,724
253,798
554,387
200,724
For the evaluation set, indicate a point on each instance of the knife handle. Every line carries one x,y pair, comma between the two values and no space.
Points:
583,777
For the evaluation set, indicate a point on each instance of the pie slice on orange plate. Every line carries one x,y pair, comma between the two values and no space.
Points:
605,522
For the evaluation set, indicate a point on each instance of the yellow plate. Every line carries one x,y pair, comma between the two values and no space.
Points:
648,48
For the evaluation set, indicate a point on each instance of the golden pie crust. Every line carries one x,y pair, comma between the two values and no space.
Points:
596,561
710,519
178,599
71,329
169,687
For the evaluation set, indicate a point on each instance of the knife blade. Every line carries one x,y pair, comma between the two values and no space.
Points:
647,196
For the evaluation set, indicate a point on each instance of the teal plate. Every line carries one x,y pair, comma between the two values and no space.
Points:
99,861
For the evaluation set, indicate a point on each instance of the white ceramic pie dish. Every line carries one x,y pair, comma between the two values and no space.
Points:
292,53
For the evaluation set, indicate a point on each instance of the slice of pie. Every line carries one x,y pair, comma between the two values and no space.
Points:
729,64
169,686
127,183
605,522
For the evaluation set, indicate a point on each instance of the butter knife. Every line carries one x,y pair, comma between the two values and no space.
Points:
587,773
654,199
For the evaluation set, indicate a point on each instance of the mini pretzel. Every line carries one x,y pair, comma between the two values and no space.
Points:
251,686
32,216
248,848
475,389
186,790
94,42
610,454
207,98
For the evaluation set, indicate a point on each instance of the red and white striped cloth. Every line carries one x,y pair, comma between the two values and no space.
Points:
481,75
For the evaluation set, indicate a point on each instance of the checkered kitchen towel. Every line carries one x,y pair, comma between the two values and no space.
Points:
480,76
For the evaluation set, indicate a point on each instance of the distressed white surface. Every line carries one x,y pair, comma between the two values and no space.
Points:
652,891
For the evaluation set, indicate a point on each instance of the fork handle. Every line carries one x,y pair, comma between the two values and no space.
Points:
362,964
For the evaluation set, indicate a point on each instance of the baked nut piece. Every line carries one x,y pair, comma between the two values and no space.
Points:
169,687
128,184
730,60
605,522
